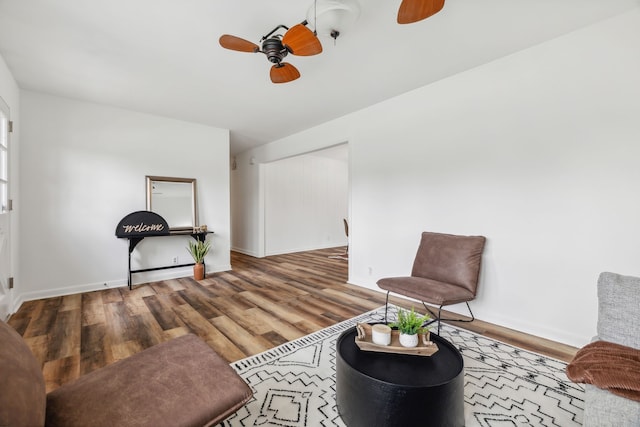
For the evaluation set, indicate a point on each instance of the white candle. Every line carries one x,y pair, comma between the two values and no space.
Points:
381,334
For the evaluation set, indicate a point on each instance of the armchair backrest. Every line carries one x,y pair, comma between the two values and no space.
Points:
619,309
23,397
450,259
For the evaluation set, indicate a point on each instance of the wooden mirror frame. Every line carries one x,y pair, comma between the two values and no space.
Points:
192,205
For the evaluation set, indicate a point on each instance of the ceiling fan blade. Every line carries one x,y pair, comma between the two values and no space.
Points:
417,10
236,43
301,41
283,73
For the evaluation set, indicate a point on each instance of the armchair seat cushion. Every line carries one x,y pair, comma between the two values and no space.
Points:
182,382
428,290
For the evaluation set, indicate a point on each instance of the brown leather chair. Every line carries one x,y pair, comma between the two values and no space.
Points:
445,272
346,232
182,382
344,255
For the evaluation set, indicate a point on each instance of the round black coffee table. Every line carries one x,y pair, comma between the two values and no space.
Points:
383,389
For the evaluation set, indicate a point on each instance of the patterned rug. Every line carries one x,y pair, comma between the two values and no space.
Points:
294,384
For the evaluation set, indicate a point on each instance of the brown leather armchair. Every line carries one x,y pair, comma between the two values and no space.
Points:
344,255
182,382
445,272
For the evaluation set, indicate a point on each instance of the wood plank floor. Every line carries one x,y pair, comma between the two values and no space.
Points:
258,305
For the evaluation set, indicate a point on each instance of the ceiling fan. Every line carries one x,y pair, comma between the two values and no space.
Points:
297,40
417,10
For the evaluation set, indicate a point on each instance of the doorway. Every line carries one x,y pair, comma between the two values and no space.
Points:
5,247
306,200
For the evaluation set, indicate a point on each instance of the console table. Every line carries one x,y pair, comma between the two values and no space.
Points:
143,224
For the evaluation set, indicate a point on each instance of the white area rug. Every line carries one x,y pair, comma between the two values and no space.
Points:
294,384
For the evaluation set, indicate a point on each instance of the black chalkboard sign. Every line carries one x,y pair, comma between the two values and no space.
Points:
142,224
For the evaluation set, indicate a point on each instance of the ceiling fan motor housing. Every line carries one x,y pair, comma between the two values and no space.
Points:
273,48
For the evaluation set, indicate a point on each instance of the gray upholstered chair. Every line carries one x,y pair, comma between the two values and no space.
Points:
618,322
182,382
445,271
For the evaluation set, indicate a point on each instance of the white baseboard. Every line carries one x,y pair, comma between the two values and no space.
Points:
553,334
69,290
289,250
245,252
305,249
151,276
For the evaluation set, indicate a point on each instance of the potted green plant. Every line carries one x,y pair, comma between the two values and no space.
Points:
198,251
410,324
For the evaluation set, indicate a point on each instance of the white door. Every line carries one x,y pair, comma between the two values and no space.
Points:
5,247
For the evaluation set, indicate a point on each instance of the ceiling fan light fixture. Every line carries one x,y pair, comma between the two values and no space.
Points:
332,17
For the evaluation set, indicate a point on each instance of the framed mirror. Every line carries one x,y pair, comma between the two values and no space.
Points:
175,200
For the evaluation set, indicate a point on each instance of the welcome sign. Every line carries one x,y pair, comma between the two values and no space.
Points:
142,224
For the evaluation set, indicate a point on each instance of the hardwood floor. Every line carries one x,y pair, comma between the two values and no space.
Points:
258,305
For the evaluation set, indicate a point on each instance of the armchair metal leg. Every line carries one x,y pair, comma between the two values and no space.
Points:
435,317
438,318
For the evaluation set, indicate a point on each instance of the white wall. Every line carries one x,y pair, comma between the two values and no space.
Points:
10,93
305,201
537,151
83,168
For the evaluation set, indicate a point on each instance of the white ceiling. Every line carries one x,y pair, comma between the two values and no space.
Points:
162,56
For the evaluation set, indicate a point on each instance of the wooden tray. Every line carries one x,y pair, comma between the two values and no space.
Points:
424,348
